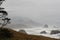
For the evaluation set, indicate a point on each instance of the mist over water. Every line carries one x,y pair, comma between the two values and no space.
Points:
40,11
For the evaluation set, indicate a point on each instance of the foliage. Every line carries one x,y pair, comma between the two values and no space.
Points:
5,34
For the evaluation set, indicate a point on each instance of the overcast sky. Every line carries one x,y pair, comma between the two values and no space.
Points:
42,11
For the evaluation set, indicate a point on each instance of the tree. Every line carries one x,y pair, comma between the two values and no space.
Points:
1,1
3,14
4,18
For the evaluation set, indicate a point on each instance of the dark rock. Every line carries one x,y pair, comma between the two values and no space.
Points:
55,32
46,26
23,31
43,32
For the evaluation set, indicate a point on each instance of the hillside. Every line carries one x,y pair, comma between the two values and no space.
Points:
9,34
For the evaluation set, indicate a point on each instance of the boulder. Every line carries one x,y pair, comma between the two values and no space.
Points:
23,31
55,32
43,32
45,26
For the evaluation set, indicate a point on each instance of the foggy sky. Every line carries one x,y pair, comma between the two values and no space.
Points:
42,11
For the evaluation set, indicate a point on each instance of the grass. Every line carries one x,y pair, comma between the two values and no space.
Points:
9,34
